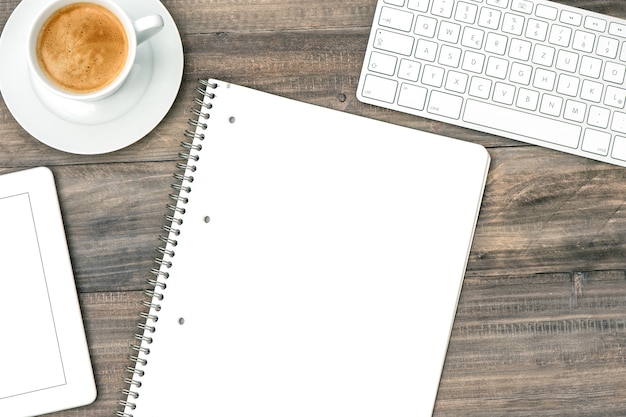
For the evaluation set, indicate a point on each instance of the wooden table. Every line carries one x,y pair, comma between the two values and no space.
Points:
541,323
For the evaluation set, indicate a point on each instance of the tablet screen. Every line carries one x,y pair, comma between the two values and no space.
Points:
31,358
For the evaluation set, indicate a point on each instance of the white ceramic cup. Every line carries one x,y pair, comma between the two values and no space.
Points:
137,31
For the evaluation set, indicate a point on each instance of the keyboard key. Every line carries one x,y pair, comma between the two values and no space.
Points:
473,38
504,93
596,142
449,32
566,61
450,56
496,43
575,111
396,19
520,73
513,24
546,12
619,148
614,72
489,18
466,12
473,62
522,6
446,105
591,91
497,67
537,30
615,97
617,29
560,35
622,55
425,26
382,63
426,50
520,49
442,8
544,79
457,82
583,41
527,99
607,47
571,18
409,70
619,122
568,85
543,55
551,105
379,88
412,96
522,123
418,5
433,76
590,67
499,3
393,42
594,23
598,117
480,87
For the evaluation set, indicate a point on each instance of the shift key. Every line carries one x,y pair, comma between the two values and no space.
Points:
393,42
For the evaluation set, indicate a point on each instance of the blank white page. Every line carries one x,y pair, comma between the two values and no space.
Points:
317,268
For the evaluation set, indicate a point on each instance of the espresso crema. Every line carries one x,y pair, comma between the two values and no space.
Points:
82,47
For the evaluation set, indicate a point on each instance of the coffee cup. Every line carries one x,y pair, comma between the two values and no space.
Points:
85,50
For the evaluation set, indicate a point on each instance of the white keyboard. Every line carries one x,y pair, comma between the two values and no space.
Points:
532,70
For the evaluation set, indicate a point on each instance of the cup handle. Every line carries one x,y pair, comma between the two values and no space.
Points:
147,26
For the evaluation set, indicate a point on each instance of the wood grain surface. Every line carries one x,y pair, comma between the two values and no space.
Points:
541,323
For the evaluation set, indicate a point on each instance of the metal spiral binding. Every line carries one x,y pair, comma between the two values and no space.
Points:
164,261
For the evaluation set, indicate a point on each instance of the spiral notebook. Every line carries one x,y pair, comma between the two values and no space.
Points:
44,359
311,267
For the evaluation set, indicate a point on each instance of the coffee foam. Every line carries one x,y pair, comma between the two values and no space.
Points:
82,47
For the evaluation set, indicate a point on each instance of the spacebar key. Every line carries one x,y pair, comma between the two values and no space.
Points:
522,124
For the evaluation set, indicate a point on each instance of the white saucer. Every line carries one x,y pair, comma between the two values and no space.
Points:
106,125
